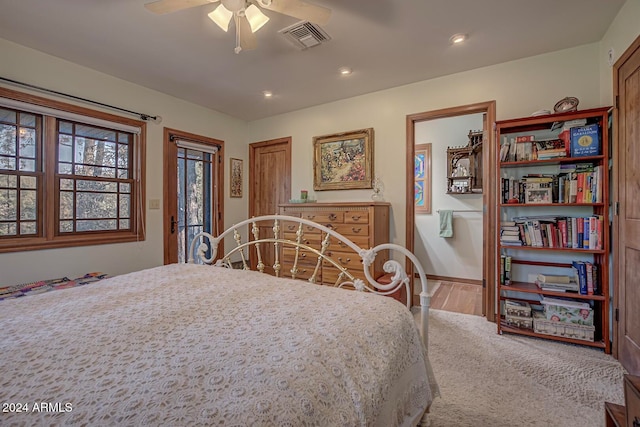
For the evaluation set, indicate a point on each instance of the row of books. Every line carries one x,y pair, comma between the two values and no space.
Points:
584,281
576,139
554,232
576,183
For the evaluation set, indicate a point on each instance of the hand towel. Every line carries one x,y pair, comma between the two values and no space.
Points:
446,223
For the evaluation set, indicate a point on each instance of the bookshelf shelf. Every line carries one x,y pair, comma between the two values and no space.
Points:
529,332
544,204
526,287
558,161
549,249
532,205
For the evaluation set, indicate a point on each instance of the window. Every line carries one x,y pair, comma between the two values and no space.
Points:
68,177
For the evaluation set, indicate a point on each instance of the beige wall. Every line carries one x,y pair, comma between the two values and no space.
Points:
465,247
624,29
30,66
518,87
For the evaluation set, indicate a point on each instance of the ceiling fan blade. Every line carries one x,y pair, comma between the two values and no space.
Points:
247,40
299,9
167,6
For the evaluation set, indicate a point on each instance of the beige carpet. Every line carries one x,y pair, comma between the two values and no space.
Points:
507,380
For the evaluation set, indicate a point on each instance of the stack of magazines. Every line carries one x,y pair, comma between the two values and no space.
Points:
557,283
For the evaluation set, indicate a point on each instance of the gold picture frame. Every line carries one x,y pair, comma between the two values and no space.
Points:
235,178
422,178
343,161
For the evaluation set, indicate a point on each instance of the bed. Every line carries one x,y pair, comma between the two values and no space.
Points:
198,344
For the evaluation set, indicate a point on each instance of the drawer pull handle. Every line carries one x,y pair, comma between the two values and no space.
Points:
333,217
291,227
303,255
344,262
310,216
356,230
356,217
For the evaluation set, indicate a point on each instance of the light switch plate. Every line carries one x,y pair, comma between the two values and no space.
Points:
154,203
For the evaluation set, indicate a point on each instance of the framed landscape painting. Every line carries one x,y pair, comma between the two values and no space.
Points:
343,161
422,178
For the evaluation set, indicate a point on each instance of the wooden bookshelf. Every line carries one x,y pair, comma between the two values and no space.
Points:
517,173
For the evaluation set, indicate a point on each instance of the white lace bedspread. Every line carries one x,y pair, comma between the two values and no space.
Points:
189,345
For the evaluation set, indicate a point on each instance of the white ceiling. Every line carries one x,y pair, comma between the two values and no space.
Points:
387,43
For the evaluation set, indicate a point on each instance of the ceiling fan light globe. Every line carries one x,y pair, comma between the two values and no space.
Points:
255,17
221,16
234,5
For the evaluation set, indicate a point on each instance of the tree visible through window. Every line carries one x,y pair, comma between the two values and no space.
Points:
20,169
95,178
75,183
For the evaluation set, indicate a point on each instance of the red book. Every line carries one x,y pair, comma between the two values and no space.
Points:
589,268
525,138
580,194
562,225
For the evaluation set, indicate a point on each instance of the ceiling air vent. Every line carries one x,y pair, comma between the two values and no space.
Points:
304,35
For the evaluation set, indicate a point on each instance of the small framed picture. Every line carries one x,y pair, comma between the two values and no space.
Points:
235,181
538,195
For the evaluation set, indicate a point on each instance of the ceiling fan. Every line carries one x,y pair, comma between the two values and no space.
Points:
246,14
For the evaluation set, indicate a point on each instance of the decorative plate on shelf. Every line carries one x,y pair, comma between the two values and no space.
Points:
569,103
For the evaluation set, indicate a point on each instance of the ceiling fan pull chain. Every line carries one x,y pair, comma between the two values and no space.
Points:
237,49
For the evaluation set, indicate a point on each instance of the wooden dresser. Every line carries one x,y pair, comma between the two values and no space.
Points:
364,223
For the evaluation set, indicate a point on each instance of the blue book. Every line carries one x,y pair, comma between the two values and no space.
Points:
581,270
585,141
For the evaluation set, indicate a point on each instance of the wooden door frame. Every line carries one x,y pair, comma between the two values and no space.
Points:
616,193
488,196
169,190
252,165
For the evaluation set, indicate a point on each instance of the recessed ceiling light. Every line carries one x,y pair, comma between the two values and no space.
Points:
267,94
345,71
458,38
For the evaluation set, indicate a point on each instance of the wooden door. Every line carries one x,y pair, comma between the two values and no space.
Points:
627,222
193,191
269,186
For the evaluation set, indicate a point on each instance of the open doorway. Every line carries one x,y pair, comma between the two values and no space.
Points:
486,110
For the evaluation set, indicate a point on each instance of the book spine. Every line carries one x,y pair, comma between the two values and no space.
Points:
589,276
586,233
562,225
593,232
507,270
580,232
596,279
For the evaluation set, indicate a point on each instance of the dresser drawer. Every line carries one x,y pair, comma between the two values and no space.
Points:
356,217
348,260
324,218
632,400
330,276
311,239
350,230
362,241
304,257
291,228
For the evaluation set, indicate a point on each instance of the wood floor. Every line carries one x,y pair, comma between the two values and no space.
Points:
458,297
